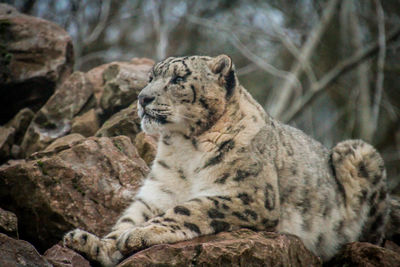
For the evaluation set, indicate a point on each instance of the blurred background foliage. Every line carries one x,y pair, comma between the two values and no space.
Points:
330,68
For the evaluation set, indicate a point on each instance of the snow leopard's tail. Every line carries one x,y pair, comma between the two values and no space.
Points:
361,174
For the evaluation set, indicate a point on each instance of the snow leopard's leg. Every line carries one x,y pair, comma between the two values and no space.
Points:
203,216
104,250
362,175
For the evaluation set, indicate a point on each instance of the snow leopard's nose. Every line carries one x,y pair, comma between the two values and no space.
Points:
144,100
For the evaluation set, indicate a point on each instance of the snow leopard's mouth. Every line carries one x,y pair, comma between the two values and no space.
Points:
147,116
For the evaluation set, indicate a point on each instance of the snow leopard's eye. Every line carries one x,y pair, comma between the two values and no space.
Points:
177,79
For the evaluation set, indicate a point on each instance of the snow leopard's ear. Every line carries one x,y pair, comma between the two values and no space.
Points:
223,66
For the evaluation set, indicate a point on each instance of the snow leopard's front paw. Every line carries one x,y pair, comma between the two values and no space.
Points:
131,240
80,241
95,249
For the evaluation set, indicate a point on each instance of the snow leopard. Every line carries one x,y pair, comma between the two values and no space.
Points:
223,163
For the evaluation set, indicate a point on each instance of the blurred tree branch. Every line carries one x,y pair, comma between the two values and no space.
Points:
291,47
342,67
286,90
363,109
101,24
262,64
380,63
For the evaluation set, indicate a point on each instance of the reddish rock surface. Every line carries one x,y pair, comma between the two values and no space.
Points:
36,55
365,254
18,253
60,256
238,248
86,185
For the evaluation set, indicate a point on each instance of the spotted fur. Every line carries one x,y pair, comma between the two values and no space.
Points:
222,164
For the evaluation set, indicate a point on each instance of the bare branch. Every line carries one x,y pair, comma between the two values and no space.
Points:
264,65
366,129
291,47
392,111
285,92
160,28
380,63
247,69
342,67
101,25
89,57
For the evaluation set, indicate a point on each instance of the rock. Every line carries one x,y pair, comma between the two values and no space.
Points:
87,124
8,223
20,123
18,253
125,122
85,185
392,246
239,248
122,83
6,142
11,135
54,119
95,75
365,254
64,142
35,56
146,146
60,256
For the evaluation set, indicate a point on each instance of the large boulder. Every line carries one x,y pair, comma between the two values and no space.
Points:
54,119
122,83
17,253
35,55
97,78
365,254
86,184
239,248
